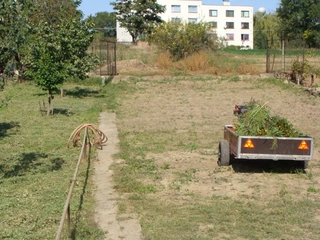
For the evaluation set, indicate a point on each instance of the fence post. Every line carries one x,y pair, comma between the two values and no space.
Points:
66,210
100,138
267,57
283,57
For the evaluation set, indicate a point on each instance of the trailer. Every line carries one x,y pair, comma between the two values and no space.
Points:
234,147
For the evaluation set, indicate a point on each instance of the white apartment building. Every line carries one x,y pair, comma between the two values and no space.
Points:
233,23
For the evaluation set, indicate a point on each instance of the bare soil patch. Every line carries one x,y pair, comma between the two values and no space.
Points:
187,107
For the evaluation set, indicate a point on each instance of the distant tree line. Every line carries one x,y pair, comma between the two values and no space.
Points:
297,22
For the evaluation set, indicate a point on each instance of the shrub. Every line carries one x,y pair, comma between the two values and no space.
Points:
183,40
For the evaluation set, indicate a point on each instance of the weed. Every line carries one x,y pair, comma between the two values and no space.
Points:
234,79
312,190
310,176
166,166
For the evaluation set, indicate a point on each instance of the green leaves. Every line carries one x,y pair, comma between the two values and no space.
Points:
14,26
266,27
139,17
59,51
258,121
107,22
300,17
46,71
182,40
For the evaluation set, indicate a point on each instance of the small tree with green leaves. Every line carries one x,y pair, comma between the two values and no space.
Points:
182,40
59,52
139,17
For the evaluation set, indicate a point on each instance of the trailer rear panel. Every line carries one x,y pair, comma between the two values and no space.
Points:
274,148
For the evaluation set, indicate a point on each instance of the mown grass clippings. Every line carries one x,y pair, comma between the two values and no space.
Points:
258,121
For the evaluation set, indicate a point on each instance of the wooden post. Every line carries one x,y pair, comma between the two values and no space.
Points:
267,57
283,58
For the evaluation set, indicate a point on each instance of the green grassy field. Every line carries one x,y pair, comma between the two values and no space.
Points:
36,166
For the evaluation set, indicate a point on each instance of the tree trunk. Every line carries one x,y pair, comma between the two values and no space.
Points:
50,107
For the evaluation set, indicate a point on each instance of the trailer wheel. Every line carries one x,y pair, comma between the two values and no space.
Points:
224,153
304,164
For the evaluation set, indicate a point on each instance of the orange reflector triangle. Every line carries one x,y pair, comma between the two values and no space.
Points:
249,144
303,146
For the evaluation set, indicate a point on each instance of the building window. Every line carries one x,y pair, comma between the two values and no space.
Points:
244,25
175,20
229,13
229,25
244,37
213,13
230,36
175,8
192,9
192,20
214,24
245,14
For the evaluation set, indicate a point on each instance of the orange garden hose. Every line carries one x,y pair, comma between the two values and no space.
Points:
95,137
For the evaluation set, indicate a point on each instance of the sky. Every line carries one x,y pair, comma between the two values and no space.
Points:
91,7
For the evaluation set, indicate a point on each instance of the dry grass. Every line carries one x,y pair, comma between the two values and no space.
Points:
197,62
209,63
248,69
164,60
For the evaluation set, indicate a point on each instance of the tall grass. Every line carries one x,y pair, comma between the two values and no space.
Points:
262,52
146,54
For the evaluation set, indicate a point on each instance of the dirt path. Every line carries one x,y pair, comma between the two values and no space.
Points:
115,226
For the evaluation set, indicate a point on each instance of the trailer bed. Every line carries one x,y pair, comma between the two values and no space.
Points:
263,147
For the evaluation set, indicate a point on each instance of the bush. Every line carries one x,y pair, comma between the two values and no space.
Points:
183,40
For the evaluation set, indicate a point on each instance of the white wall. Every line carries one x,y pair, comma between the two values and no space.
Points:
237,20
122,34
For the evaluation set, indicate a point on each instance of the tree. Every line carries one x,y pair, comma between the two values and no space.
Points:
18,19
106,22
300,18
58,52
182,40
54,11
14,28
266,28
139,17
